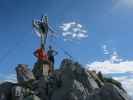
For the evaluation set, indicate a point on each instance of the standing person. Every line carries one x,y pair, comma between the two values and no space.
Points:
51,53
41,54
42,57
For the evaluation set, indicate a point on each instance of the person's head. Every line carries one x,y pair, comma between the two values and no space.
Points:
46,19
50,47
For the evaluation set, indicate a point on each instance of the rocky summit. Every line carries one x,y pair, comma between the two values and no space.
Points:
70,82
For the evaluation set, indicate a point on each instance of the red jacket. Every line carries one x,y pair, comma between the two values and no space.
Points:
40,54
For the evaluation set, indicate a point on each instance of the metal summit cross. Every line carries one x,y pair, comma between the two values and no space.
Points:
41,28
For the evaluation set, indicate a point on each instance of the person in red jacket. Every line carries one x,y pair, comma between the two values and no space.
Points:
41,54
42,67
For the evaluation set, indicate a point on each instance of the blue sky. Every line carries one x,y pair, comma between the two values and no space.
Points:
107,22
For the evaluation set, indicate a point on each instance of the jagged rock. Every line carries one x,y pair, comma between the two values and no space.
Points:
72,82
24,74
5,90
80,84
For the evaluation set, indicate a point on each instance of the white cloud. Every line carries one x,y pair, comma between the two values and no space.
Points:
115,57
112,65
67,26
9,78
73,30
105,49
126,3
119,69
127,83
108,67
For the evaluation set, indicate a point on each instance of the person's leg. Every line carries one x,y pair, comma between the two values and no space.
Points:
52,61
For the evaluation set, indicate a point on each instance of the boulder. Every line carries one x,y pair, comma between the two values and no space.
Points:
6,90
81,84
70,82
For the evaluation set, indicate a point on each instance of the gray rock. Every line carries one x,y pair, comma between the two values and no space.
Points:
71,82
5,90
23,73
79,84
